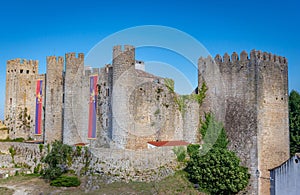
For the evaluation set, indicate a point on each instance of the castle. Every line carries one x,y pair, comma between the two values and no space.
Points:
122,106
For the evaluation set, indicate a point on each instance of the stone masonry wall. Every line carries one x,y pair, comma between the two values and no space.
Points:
117,165
21,77
104,131
54,99
237,89
153,114
273,139
123,85
76,99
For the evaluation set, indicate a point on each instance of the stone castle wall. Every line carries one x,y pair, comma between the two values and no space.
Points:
273,124
54,99
245,93
124,80
76,99
104,114
21,77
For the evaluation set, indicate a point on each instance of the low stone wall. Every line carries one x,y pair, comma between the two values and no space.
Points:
26,155
125,165
115,164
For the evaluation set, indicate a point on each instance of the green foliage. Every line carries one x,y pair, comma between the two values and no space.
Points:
12,152
218,172
201,94
41,146
78,150
56,160
193,149
87,161
48,148
180,153
37,169
294,117
169,83
65,181
19,139
216,169
180,101
213,133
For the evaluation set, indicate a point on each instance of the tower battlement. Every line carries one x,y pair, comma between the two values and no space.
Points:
72,56
22,66
52,59
254,56
118,50
235,60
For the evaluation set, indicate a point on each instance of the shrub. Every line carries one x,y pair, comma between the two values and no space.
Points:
218,172
193,149
180,153
65,181
56,160
214,168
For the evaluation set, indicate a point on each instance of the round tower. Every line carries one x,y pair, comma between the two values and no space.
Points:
123,82
122,60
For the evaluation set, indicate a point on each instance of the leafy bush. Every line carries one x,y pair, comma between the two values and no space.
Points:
12,152
65,181
218,172
193,149
180,153
56,160
214,168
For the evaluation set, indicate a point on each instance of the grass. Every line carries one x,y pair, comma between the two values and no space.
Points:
175,184
6,191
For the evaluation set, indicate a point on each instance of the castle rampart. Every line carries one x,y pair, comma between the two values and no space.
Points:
250,94
21,78
76,98
54,99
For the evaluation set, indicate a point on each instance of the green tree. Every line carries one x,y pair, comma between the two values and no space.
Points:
216,169
218,172
294,117
56,160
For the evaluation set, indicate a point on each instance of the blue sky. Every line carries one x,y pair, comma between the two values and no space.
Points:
34,29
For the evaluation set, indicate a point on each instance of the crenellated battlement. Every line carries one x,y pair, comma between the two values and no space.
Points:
118,49
23,62
52,59
254,56
72,56
22,66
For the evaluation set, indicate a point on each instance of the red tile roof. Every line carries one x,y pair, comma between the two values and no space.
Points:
80,144
168,143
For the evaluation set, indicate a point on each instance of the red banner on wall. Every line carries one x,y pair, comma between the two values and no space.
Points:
38,107
92,107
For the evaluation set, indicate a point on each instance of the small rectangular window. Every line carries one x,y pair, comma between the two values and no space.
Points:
107,92
27,71
21,71
10,101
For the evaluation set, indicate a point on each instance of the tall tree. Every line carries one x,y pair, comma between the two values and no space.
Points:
294,109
